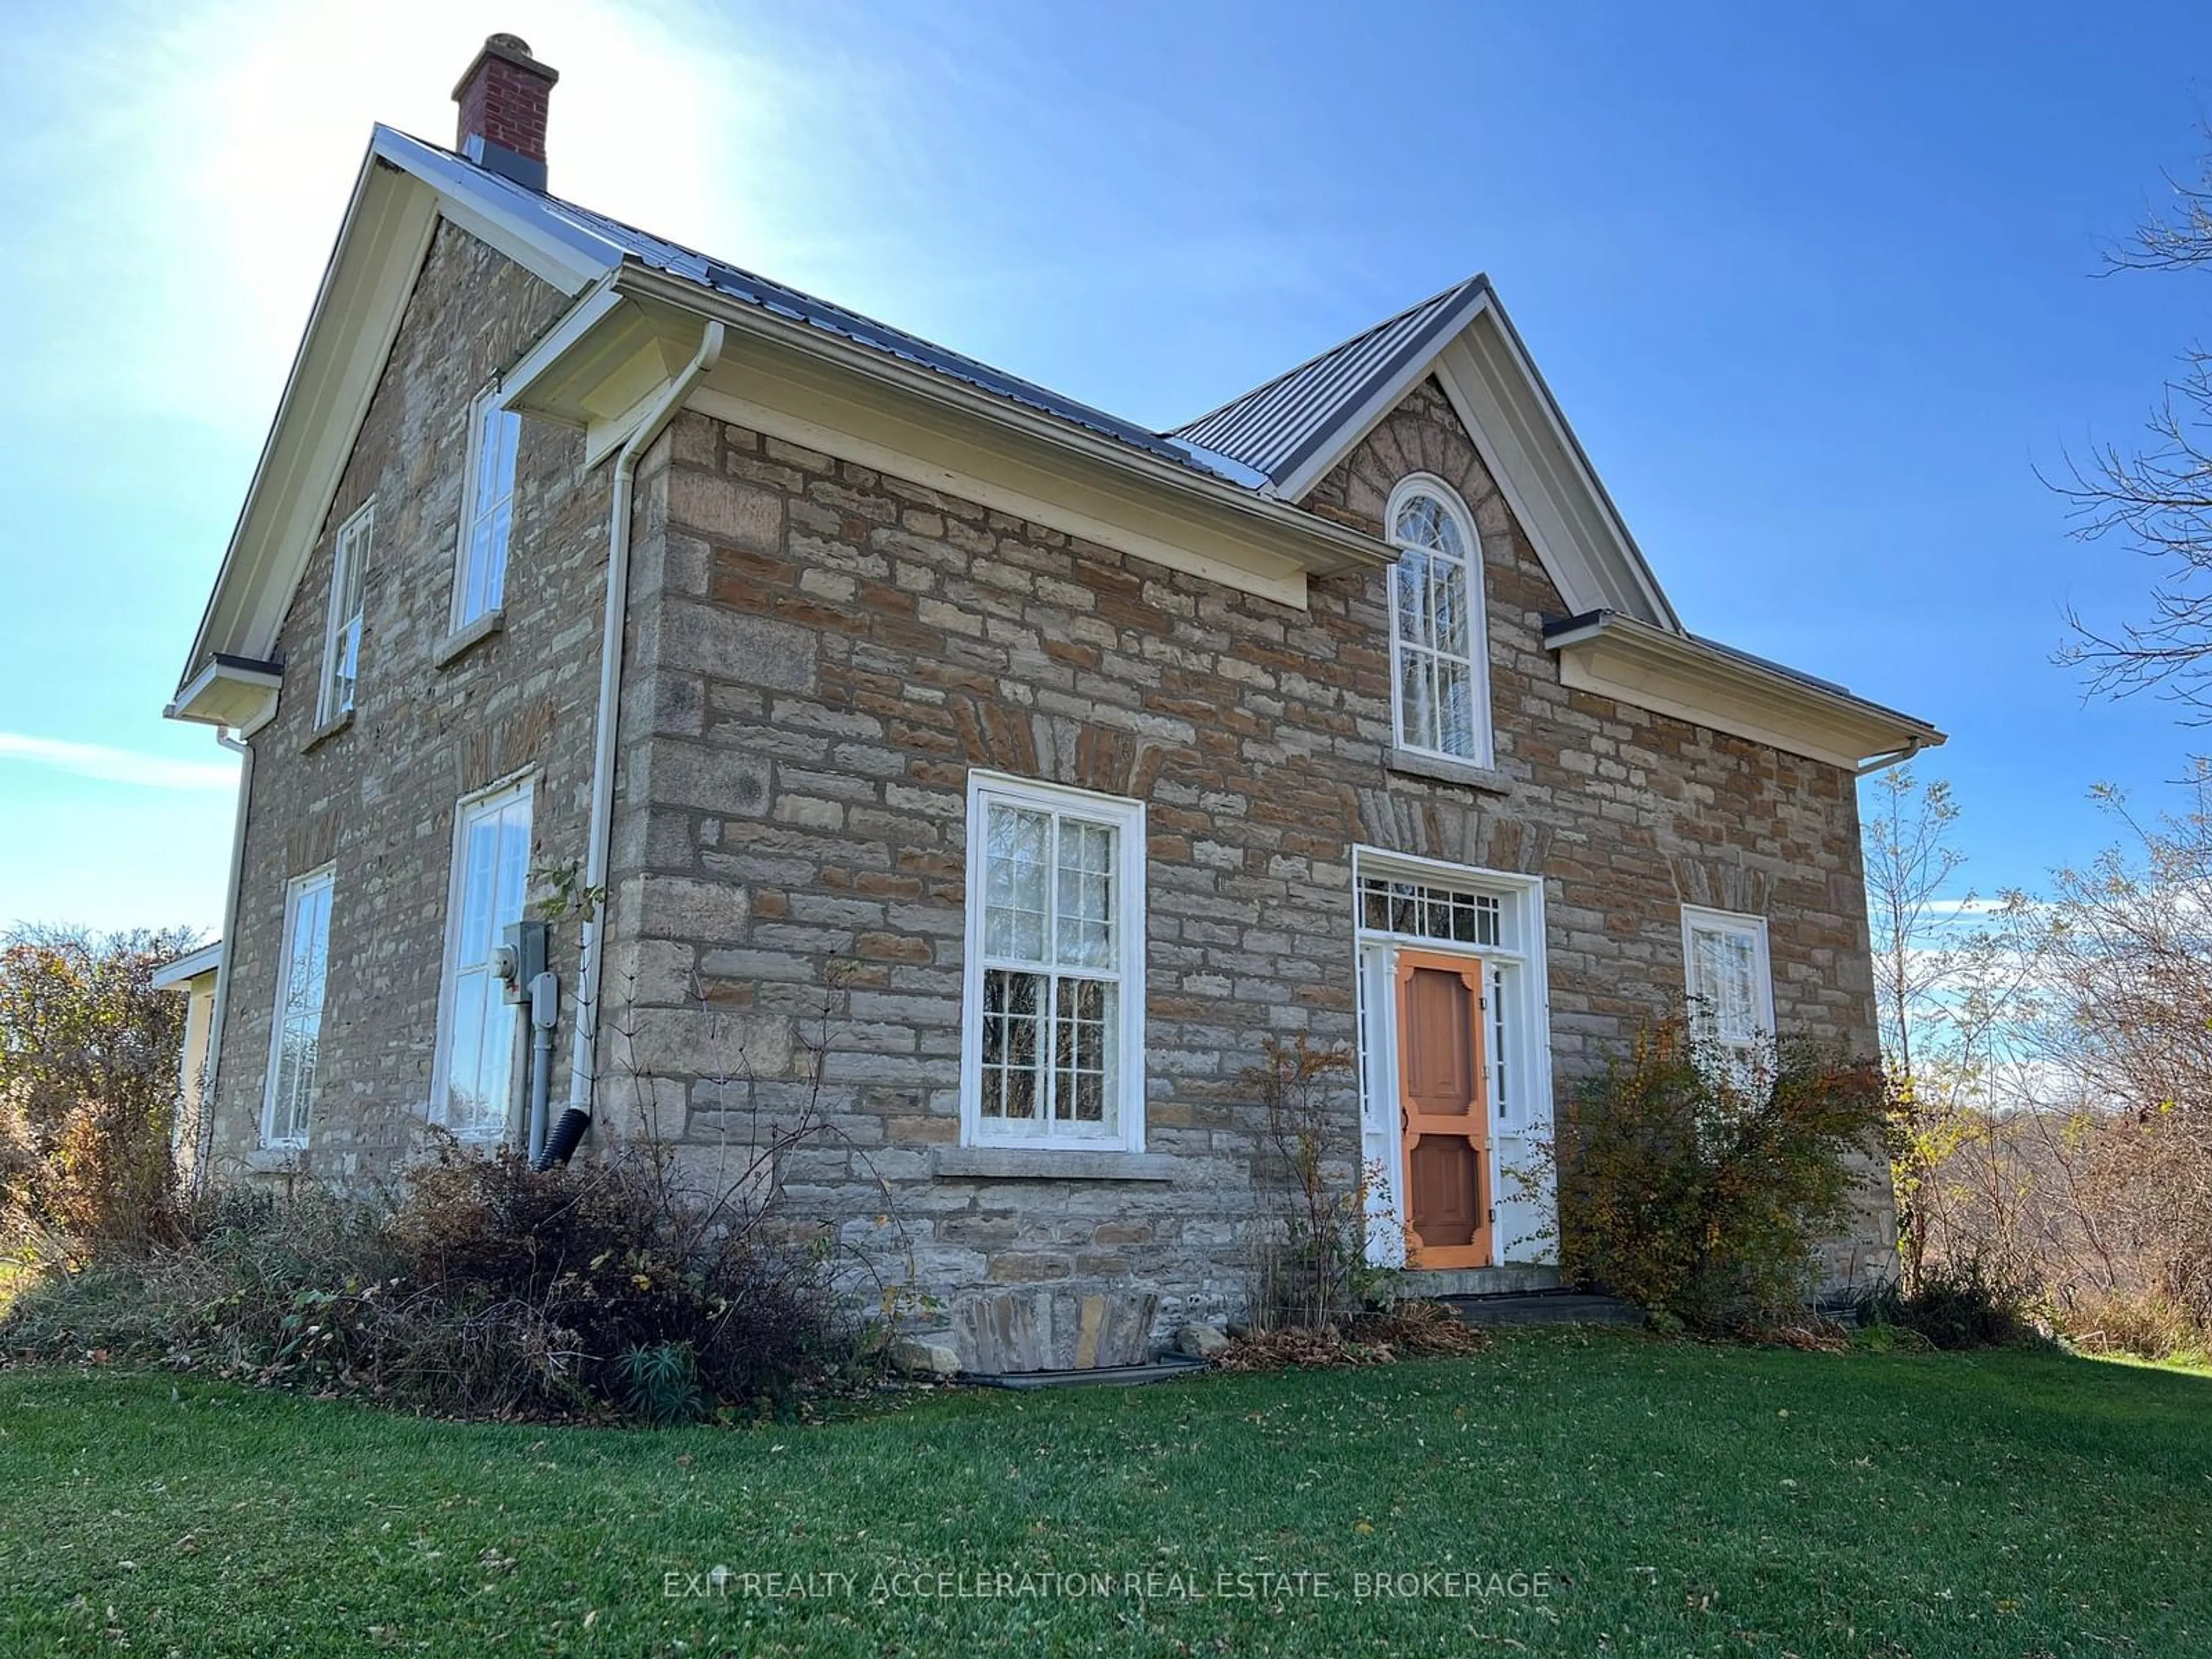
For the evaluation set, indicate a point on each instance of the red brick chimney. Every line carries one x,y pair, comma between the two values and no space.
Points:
503,99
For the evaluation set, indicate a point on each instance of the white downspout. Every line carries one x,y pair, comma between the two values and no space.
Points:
584,1055
204,1125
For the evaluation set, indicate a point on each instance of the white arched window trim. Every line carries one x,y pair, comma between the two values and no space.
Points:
1426,660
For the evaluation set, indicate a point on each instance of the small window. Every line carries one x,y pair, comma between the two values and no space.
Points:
1731,984
487,510
1399,904
1439,656
472,1090
295,1044
341,639
1055,981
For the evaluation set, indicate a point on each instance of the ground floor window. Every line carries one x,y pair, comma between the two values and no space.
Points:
1729,983
295,1044
472,1088
1052,1044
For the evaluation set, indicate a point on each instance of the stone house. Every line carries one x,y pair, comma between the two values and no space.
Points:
987,775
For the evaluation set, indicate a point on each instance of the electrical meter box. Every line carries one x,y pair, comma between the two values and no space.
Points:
522,958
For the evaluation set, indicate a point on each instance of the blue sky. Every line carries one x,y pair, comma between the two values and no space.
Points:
1815,285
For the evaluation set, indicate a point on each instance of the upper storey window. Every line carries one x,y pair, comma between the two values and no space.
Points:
1439,656
341,635
487,510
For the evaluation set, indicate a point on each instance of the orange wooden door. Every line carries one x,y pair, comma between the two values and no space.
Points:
1443,1112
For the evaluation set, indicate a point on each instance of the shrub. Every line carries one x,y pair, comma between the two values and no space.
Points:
486,1288
1952,1305
89,1053
1313,1266
2145,1323
662,1382
1697,1188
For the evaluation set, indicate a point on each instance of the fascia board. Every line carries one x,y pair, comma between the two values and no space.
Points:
1325,450
1667,673
1525,442
1646,582
357,313
226,695
550,247
404,188
1308,543
197,964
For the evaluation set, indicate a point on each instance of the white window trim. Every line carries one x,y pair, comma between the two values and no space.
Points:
459,617
295,890
1697,915
521,786
1522,896
1427,483
363,525
1127,818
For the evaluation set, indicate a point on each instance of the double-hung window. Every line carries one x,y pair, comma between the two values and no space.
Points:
1730,985
1439,657
1054,1042
342,635
487,510
296,1041
475,1071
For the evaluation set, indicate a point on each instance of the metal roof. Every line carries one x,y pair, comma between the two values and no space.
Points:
1254,441
781,300
1276,427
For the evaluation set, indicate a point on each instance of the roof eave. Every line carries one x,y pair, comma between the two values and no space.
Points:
1622,657
1473,347
401,192
1314,459
229,693
1322,546
179,975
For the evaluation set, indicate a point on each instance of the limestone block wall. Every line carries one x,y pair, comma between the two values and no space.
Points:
376,799
824,652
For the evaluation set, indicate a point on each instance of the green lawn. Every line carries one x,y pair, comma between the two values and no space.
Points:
1640,1498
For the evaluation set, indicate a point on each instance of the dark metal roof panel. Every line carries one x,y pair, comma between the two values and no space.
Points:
1274,428
798,307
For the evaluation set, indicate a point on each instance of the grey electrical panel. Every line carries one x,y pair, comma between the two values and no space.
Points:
525,941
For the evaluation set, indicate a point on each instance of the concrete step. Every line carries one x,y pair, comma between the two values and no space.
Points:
1543,1307
1509,1280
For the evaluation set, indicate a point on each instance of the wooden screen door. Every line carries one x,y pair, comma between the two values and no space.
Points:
1444,1110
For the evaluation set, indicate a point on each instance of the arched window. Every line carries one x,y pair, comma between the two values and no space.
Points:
1439,653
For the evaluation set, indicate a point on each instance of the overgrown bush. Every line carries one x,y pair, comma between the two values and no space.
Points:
1312,1269
2144,1323
484,1288
1953,1305
1696,1187
89,1054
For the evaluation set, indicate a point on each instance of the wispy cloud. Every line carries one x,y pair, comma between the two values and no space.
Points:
98,761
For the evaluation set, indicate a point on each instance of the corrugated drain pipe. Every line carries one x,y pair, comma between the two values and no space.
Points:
561,1144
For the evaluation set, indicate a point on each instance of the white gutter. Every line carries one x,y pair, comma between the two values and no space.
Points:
1725,672
584,1051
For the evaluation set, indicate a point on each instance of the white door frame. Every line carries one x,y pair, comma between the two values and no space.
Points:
1525,1229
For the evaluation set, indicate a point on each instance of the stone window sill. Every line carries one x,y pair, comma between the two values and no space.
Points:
1049,1164
1440,768
459,643
276,1160
329,729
